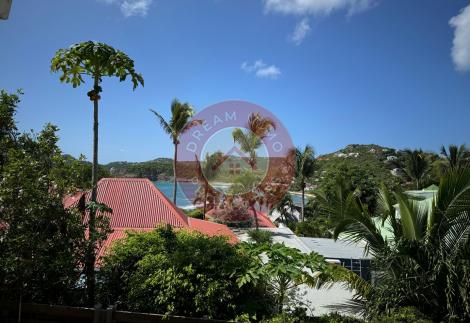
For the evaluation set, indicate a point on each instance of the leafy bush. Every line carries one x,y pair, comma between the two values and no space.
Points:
299,316
427,264
260,236
402,315
336,318
284,269
180,273
195,213
319,227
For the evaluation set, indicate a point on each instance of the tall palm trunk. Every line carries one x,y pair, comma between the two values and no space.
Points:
175,157
303,201
90,263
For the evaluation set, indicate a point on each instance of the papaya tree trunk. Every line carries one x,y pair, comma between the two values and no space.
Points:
175,158
303,201
90,263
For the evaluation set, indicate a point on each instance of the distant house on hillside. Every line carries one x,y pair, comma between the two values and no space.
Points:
139,205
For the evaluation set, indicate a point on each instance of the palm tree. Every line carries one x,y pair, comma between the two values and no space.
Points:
286,208
245,186
204,175
305,168
456,156
180,122
96,60
250,140
424,262
417,166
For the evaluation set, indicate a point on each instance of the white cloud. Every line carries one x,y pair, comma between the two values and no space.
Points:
261,69
300,31
132,7
317,7
461,44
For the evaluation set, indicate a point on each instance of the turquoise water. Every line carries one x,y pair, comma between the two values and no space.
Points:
181,200
186,203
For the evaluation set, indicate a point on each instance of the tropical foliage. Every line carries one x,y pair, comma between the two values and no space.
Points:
417,166
180,273
455,156
425,262
41,244
251,139
305,168
260,236
285,270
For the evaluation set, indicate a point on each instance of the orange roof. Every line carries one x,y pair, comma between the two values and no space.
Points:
263,220
139,205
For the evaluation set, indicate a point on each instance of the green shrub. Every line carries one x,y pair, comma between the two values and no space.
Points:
336,318
260,236
180,273
299,316
195,213
402,315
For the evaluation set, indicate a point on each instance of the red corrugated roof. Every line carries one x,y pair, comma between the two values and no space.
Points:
263,220
139,205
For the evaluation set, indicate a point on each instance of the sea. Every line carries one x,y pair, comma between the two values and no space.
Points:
183,202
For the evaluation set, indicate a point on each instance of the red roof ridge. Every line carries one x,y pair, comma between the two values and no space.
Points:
125,179
165,200
174,207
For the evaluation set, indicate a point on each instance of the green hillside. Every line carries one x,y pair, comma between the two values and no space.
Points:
157,169
365,167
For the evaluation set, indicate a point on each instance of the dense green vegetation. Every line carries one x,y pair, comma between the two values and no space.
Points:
186,273
366,167
41,244
181,273
426,263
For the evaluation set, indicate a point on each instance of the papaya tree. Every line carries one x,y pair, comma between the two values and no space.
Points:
95,60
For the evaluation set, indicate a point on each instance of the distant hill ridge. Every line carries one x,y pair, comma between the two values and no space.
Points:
384,163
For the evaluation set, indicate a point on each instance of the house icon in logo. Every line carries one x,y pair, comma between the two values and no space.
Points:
234,162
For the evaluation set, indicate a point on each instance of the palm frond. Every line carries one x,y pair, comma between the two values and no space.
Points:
165,126
414,217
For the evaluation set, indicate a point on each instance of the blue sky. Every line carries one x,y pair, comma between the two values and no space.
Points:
335,72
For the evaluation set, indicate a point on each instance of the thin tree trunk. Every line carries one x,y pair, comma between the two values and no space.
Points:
90,263
256,217
205,203
20,306
175,157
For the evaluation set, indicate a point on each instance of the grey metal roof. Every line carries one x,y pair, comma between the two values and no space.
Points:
329,248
